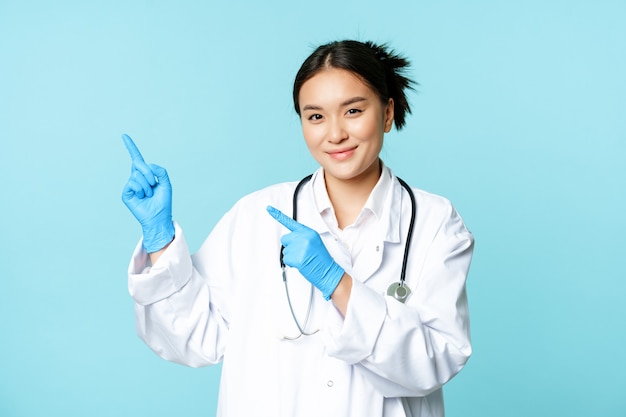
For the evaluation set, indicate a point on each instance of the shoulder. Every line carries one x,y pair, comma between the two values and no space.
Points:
433,204
437,211
424,200
430,199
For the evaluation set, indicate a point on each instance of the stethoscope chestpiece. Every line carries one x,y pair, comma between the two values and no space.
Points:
399,291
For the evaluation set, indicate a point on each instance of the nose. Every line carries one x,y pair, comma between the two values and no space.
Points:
337,133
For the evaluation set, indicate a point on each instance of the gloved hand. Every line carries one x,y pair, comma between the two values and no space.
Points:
148,195
305,250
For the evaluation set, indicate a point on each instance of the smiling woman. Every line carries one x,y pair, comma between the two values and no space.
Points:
348,94
343,122
374,354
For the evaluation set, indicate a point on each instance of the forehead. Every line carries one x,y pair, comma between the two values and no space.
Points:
332,84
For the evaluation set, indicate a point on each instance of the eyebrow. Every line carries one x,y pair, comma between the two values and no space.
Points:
343,103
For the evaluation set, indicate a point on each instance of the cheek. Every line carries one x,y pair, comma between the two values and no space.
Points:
312,135
369,130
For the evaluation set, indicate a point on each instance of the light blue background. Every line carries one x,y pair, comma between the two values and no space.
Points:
519,120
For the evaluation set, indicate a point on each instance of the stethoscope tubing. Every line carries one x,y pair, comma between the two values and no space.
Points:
407,245
409,234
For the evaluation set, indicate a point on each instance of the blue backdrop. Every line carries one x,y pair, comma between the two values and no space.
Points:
519,120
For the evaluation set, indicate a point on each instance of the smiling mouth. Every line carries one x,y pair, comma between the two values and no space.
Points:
342,154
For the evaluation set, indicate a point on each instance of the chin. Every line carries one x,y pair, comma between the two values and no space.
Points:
343,175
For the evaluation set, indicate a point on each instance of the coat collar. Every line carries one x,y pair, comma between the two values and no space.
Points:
385,202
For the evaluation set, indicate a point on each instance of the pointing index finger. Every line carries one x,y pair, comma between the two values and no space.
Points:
132,148
283,219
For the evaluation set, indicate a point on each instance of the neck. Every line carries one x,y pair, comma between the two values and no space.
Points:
349,196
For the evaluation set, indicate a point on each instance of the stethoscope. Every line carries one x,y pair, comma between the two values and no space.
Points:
397,290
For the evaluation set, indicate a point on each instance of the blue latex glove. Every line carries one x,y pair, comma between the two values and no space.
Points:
148,195
305,250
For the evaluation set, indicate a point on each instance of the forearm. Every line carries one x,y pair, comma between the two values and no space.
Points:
154,256
341,295
185,327
174,307
401,350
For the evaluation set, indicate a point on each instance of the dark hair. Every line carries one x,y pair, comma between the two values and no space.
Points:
381,68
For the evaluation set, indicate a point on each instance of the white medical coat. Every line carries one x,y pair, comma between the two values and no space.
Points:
227,303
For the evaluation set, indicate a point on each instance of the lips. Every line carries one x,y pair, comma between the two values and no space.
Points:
342,154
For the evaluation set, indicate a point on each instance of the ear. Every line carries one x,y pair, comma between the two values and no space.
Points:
389,113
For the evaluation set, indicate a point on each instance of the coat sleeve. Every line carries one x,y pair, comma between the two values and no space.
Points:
409,350
180,313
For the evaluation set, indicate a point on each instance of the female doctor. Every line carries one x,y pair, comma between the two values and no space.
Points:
357,308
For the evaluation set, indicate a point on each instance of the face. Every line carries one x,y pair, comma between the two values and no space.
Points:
343,122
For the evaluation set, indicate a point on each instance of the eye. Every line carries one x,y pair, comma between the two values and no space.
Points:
315,117
354,111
